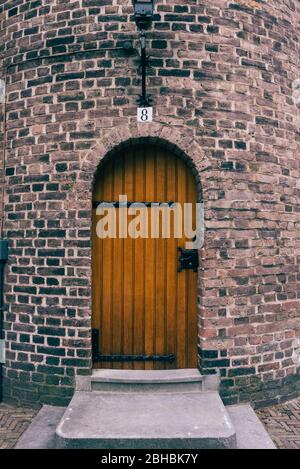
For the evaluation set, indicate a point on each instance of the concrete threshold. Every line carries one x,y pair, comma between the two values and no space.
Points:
149,377
142,381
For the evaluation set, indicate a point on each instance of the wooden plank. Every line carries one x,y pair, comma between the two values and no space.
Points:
150,261
181,278
171,264
160,265
117,267
128,266
139,264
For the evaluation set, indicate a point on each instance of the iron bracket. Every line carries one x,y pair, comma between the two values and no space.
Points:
144,100
98,357
188,259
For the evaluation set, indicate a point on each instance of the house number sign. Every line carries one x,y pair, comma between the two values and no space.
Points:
145,114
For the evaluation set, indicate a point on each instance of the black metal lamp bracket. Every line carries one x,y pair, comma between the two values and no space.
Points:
144,100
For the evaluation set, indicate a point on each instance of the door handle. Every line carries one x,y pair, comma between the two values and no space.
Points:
188,259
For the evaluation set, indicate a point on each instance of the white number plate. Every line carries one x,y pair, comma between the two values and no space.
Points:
145,114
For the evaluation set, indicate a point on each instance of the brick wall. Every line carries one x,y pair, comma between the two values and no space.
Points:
221,79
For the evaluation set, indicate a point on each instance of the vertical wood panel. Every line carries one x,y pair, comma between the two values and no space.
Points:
171,262
181,279
159,265
128,265
139,268
117,266
150,257
141,304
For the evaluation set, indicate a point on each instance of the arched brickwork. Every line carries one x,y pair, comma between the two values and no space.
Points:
178,142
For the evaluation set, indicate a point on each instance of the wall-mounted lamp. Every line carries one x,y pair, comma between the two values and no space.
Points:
143,15
143,12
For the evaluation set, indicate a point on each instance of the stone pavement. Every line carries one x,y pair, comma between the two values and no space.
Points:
283,424
13,422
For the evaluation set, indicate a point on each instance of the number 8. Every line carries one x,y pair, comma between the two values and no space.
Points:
144,116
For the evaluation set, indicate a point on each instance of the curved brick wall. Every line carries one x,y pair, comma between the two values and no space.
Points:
221,78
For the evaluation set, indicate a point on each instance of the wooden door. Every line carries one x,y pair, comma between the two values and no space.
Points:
142,306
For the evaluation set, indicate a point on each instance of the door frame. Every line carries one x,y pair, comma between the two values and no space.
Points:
196,176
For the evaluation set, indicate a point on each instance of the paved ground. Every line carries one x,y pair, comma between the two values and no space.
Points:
13,422
283,424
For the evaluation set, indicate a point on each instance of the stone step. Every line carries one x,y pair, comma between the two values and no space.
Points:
187,380
146,380
103,420
250,432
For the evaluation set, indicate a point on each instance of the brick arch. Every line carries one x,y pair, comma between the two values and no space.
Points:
179,141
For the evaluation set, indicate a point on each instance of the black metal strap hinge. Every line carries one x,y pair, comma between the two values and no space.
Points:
98,357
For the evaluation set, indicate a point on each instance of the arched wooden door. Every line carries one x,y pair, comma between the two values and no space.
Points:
144,310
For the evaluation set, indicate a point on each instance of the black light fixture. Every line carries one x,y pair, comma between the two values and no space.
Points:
143,12
143,16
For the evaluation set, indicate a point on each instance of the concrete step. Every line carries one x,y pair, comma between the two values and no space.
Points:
187,380
150,380
250,433
41,432
103,420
